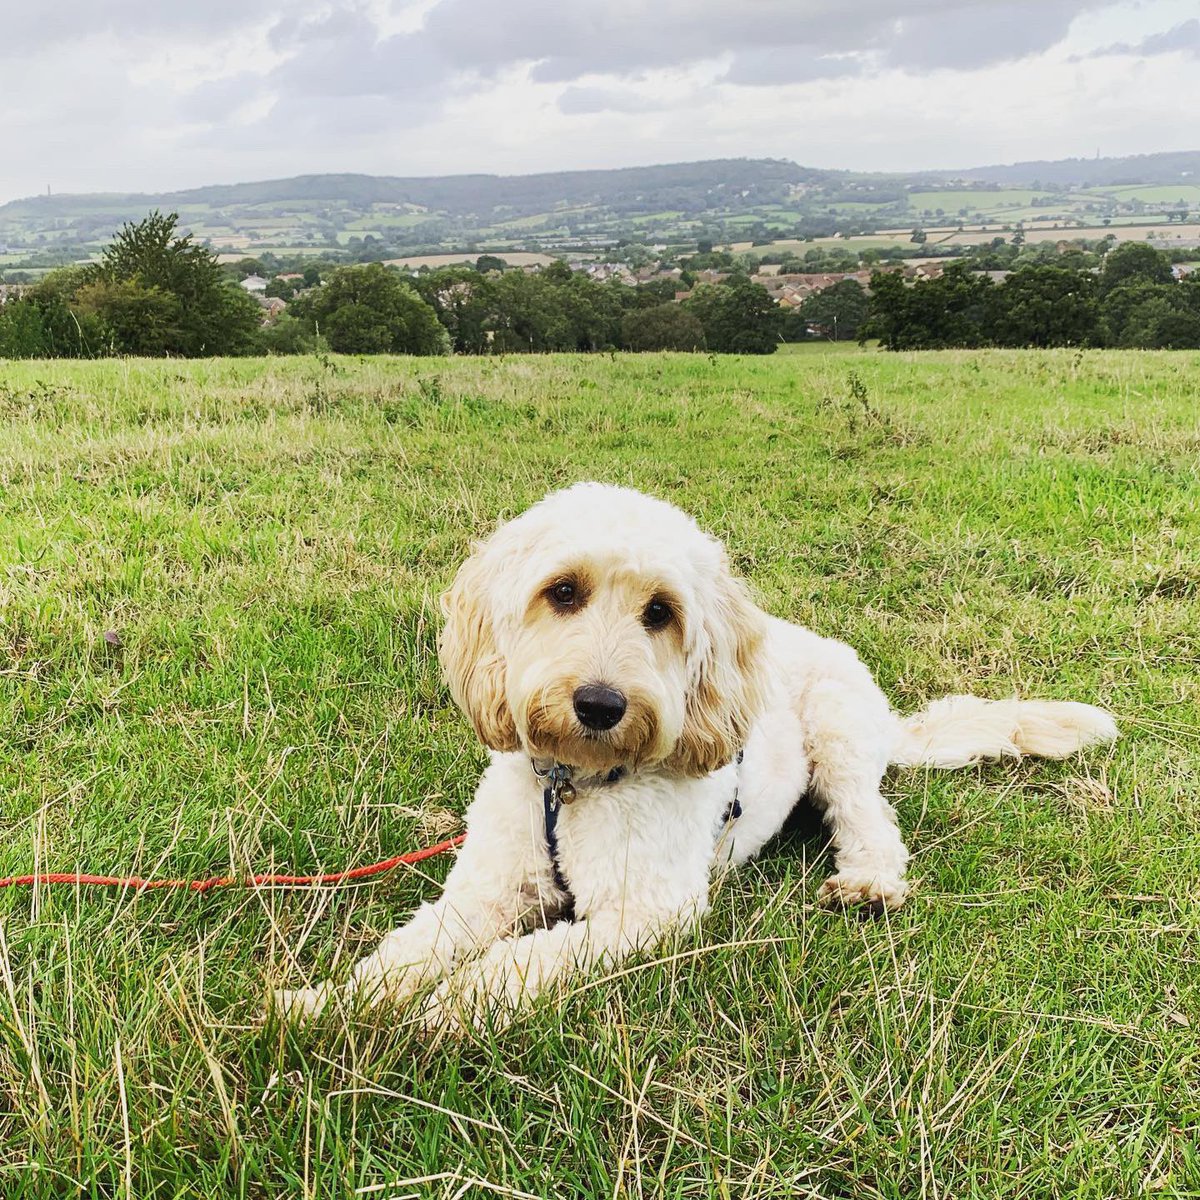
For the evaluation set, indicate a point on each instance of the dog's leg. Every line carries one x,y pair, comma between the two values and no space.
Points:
512,973
488,893
848,733
465,917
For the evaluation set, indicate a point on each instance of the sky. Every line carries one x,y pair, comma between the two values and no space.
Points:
142,95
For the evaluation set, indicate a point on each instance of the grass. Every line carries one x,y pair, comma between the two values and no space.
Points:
975,201
264,540
1168,193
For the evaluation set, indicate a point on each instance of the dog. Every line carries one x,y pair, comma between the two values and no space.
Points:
648,722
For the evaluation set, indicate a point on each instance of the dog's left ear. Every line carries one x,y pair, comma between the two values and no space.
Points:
727,680
471,660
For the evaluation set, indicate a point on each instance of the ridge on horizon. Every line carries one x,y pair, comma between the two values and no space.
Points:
1179,164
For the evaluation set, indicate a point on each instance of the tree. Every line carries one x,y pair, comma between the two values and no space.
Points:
371,310
462,298
1045,306
1119,304
636,255
526,315
210,314
1134,262
936,314
489,262
288,335
138,320
22,333
662,327
838,311
737,316
1158,322
65,331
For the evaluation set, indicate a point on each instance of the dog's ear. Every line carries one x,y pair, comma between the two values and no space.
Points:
473,665
727,680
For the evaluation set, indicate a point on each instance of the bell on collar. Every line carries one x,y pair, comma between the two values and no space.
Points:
566,792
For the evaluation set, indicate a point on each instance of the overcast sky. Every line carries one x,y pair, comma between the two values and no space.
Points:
149,95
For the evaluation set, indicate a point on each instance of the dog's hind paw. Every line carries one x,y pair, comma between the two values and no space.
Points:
856,889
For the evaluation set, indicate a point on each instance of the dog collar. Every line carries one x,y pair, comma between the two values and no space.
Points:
557,779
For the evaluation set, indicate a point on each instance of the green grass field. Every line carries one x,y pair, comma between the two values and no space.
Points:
976,201
264,542
1173,193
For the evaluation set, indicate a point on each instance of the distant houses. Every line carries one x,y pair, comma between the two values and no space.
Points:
254,284
272,306
790,291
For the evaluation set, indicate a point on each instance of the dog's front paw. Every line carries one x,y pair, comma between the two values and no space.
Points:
301,1004
853,889
458,1006
484,994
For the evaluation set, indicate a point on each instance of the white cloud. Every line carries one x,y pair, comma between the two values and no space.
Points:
134,95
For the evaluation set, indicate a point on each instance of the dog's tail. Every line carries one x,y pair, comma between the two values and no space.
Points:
959,730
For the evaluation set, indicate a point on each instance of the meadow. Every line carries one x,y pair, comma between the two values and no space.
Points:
218,586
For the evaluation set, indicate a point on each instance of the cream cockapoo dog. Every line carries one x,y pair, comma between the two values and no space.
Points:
648,721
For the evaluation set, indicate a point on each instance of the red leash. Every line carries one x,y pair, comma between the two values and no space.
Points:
207,885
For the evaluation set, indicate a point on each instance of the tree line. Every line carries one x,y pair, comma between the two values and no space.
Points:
154,292
1134,300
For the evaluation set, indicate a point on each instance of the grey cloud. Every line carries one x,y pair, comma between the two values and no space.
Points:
565,41
779,65
1183,37
624,37
34,28
576,101
342,55
980,35
338,84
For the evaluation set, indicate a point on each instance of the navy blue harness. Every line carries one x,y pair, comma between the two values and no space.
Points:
557,790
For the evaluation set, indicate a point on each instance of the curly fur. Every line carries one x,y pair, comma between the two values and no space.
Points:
719,676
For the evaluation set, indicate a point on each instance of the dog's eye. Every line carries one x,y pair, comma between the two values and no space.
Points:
657,614
564,594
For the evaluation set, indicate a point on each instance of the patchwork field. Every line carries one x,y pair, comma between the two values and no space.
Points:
1163,235
514,258
217,621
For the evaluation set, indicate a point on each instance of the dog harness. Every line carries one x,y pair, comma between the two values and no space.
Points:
557,790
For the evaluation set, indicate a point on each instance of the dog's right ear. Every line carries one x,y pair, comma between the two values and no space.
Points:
470,659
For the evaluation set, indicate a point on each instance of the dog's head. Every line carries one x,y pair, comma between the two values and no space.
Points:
603,628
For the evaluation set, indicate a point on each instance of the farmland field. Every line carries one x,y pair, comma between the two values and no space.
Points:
514,258
1173,193
979,235
976,201
217,622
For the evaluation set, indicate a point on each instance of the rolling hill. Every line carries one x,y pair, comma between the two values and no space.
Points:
744,201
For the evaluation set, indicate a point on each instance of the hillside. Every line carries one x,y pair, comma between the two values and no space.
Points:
577,213
1168,168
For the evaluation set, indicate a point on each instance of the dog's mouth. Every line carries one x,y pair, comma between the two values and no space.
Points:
552,730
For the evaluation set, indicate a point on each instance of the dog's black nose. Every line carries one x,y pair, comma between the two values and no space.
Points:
598,707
